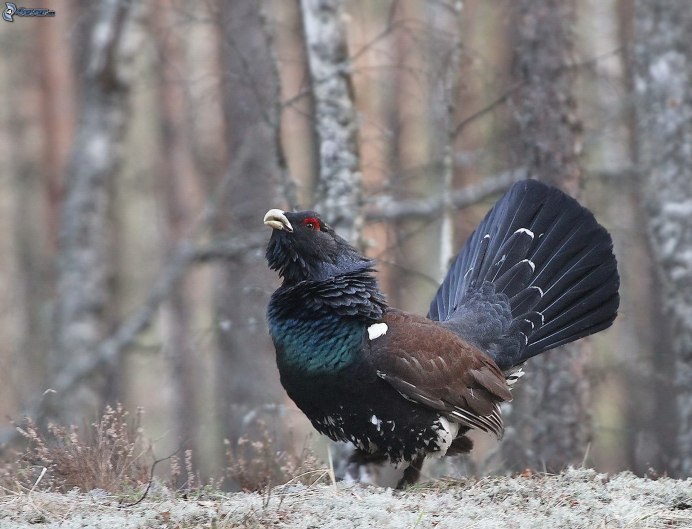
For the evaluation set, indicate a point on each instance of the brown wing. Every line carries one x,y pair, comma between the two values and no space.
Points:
432,366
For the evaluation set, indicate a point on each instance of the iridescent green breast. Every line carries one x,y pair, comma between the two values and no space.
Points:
316,346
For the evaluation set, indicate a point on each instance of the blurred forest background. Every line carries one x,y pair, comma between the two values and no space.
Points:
142,143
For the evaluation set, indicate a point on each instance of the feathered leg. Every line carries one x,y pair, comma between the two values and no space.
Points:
412,473
358,460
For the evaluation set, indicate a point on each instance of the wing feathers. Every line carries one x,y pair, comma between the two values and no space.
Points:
433,367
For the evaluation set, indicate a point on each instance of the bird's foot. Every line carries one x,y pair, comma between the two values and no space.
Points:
412,473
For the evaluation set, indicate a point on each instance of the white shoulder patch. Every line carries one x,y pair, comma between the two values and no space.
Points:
376,330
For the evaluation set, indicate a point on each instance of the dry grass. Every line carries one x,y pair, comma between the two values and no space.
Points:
258,464
108,455
575,499
112,455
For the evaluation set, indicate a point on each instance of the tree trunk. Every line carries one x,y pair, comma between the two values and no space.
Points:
28,279
647,440
444,63
549,425
663,75
176,185
339,187
247,378
543,106
57,113
96,156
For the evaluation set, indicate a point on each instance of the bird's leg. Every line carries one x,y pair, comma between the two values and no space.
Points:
460,445
412,473
359,459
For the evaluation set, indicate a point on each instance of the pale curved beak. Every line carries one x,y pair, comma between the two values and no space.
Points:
276,220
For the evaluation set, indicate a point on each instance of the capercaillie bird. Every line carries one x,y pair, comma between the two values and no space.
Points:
538,272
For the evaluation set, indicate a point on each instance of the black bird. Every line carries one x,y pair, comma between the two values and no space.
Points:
538,272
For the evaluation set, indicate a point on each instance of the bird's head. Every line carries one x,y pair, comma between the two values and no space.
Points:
304,247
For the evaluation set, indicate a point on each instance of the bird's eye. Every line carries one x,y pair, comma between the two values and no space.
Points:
311,223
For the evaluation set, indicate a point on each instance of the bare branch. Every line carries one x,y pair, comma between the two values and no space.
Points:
389,208
228,249
110,350
617,175
126,333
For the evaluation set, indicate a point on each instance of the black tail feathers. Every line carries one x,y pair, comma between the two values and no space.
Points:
538,272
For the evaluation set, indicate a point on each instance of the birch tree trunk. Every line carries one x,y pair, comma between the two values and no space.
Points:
339,187
663,76
444,92
96,156
549,426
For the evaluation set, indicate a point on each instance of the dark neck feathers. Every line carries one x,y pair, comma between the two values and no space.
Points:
353,294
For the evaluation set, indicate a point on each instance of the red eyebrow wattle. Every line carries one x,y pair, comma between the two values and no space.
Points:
312,220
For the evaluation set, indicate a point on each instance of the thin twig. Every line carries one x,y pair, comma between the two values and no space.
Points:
38,480
151,478
504,96
483,111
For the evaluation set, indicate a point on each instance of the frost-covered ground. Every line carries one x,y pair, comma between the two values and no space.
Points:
574,499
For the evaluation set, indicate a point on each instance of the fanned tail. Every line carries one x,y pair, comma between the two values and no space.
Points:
538,272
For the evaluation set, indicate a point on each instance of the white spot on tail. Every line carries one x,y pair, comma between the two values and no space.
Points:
512,378
446,433
533,266
525,230
376,330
